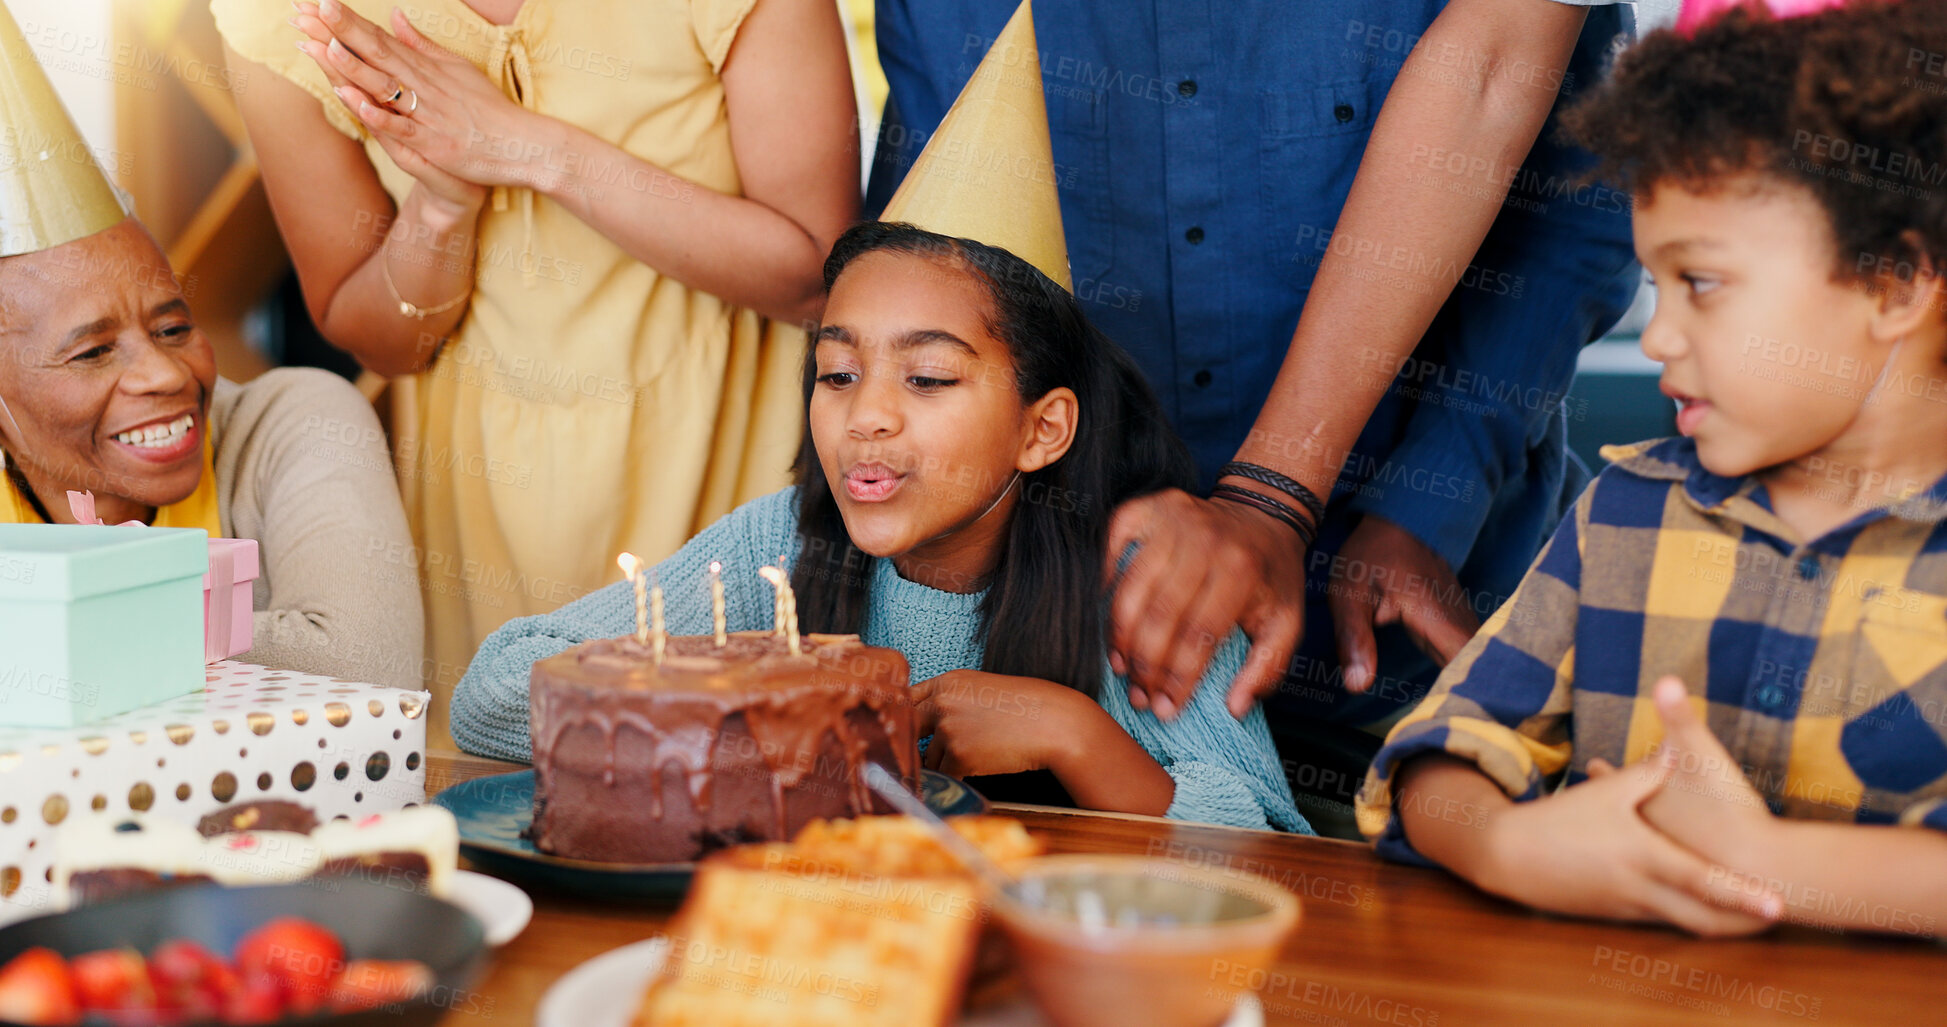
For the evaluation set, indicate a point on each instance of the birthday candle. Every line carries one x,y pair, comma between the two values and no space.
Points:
656,634
791,618
778,582
787,604
716,600
777,612
777,604
632,570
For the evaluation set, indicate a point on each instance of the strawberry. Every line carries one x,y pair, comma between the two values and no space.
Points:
112,980
35,988
190,980
370,983
258,999
303,957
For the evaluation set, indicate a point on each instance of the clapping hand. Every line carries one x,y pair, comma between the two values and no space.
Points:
438,117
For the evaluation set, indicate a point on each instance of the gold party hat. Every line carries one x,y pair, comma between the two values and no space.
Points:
988,174
51,189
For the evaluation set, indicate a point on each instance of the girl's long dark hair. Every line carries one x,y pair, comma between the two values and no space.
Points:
1042,615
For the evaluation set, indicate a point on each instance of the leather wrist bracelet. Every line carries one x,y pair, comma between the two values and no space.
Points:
1289,486
1307,533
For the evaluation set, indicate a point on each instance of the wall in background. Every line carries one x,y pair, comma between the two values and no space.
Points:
72,38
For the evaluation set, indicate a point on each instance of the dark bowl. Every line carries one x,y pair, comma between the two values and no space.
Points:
374,922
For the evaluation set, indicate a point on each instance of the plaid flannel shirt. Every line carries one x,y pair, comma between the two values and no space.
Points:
1822,665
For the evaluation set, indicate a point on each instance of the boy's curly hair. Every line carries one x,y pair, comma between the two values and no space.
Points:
1848,103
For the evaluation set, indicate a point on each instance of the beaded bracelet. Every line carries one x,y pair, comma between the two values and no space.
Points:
1289,486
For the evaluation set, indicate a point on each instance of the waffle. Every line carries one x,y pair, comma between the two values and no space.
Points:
855,923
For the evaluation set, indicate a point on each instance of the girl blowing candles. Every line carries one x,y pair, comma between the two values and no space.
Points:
969,433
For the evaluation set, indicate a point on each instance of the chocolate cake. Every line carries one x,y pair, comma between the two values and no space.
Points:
641,762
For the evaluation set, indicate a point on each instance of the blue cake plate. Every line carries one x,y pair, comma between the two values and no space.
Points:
495,812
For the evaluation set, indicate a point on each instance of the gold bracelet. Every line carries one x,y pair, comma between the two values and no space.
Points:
406,307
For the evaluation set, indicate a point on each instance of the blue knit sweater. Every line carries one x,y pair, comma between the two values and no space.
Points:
1226,771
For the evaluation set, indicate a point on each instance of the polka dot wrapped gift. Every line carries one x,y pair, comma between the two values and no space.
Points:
339,747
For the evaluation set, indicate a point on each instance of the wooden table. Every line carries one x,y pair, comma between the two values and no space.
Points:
1379,944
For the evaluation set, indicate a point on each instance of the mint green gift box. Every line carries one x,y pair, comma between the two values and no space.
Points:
97,620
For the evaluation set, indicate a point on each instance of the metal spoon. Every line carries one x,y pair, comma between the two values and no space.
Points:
969,854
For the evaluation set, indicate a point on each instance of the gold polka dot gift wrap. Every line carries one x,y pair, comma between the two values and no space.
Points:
339,747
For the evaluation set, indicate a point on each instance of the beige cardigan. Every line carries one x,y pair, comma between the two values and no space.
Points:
303,468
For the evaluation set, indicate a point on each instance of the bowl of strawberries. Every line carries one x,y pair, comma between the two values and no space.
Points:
323,953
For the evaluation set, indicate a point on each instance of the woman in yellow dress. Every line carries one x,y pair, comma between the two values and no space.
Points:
582,236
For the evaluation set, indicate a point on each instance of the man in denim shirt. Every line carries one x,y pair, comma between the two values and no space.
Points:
1204,152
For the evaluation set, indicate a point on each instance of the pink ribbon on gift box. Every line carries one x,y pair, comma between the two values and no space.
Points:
1697,13
224,633
217,585
82,505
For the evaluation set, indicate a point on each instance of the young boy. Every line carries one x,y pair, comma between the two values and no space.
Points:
1751,620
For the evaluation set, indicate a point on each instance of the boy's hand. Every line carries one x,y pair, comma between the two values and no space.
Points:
1588,851
985,723
1707,804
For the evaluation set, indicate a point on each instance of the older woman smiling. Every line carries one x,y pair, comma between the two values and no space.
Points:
107,385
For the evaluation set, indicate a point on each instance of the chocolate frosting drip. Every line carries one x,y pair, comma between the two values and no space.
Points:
700,695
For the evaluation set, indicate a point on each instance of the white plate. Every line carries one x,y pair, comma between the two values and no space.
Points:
502,909
605,991
1021,1013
